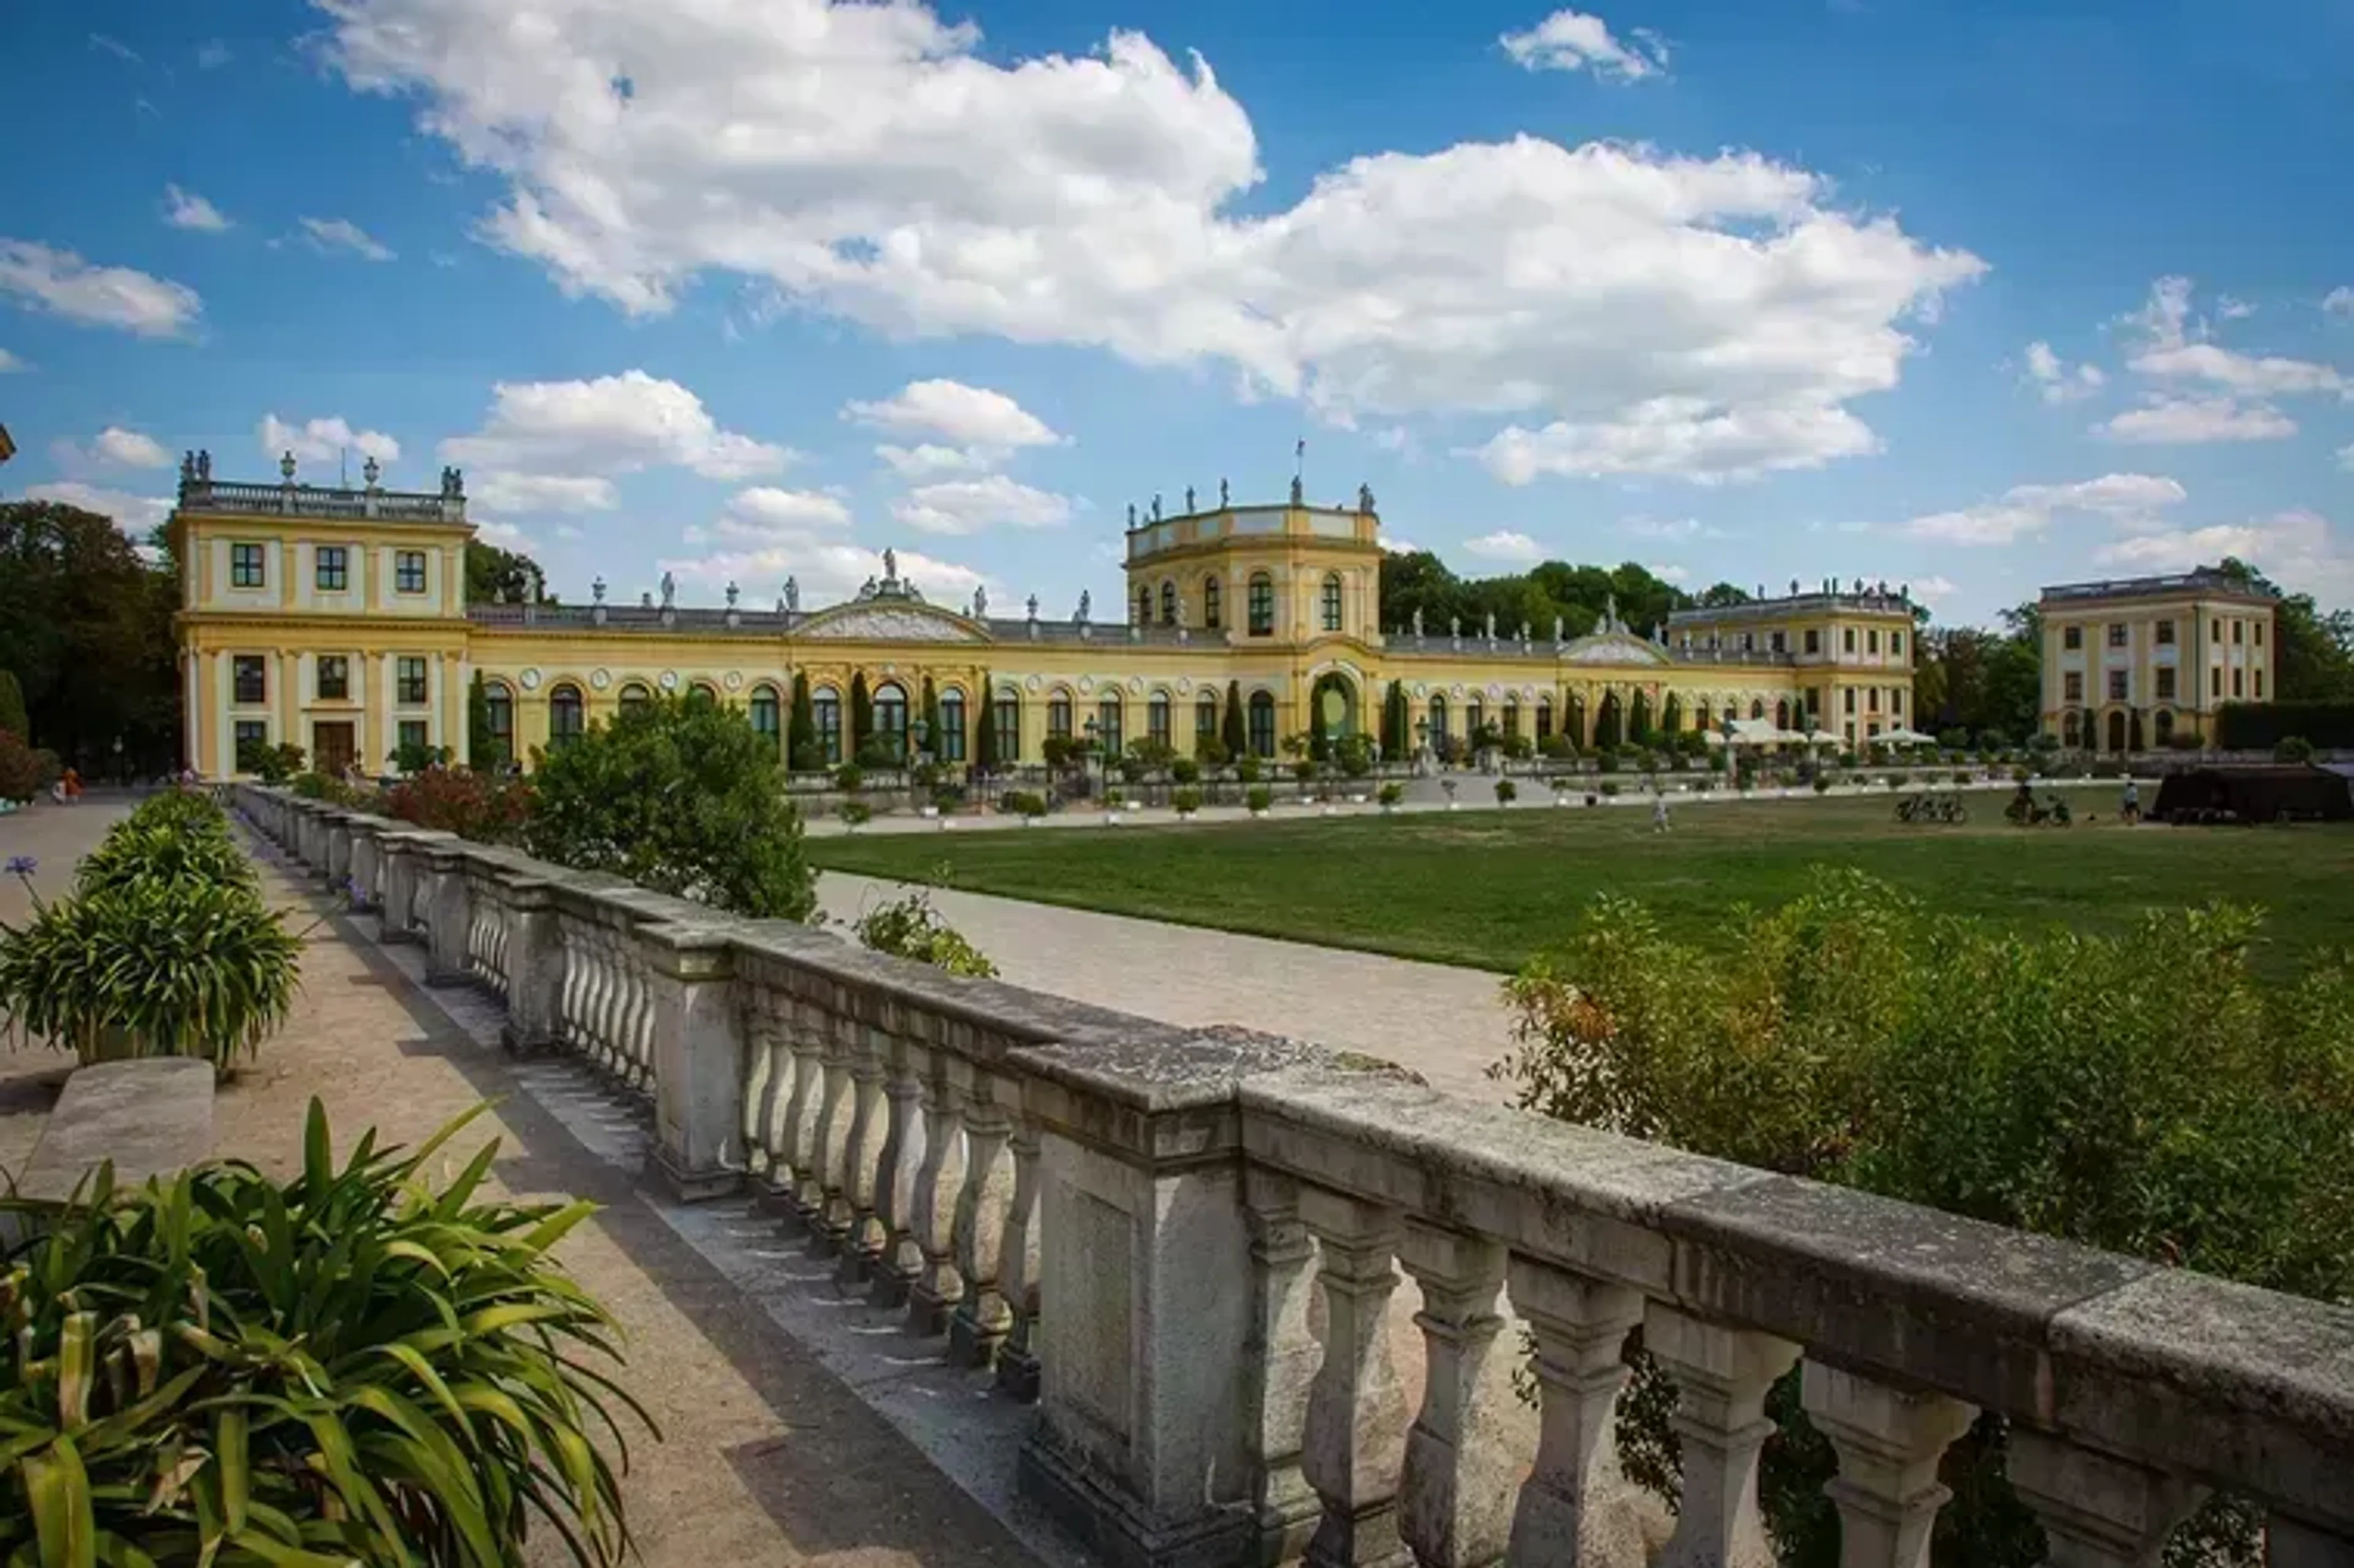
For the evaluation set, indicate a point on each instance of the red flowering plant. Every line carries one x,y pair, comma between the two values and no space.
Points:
478,805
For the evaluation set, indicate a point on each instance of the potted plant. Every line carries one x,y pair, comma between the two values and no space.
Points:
1449,785
855,814
1259,799
1188,800
1030,805
1506,791
1112,798
1390,795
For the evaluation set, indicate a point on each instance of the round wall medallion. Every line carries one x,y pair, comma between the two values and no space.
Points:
1086,684
735,680
1528,694
1034,684
600,679
528,680
1495,692
1458,691
1185,684
1422,688
668,681
1136,685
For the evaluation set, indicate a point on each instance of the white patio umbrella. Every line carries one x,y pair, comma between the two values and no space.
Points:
1905,737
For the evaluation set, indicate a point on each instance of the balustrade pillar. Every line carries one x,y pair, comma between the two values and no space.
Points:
367,869
1354,1442
535,964
403,860
828,1220
338,866
448,918
1721,1377
939,1178
895,1181
863,1241
1282,1356
793,1180
1017,1359
698,1046
977,1326
1889,1442
1468,1448
2097,1511
1581,1327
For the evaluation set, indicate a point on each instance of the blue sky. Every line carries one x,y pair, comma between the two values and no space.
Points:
1976,297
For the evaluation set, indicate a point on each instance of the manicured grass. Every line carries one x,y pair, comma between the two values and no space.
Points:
1489,888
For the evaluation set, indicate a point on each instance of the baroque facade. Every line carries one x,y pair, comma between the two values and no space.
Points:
2132,663
336,620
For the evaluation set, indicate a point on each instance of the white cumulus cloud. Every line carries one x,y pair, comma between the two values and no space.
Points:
2201,391
137,515
2024,510
970,506
335,234
10,363
187,209
964,415
324,440
871,162
2339,302
2297,549
514,491
550,433
1506,545
64,284
129,449
2057,380
1573,40
2185,421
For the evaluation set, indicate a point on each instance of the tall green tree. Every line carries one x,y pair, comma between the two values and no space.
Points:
862,714
985,714
681,796
486,749
86,628
933,737
503,577
1235,735
800,732
1394,720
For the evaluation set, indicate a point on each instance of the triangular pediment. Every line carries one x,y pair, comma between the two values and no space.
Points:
867,621
1613,648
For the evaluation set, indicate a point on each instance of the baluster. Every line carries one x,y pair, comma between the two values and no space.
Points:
980,1323
895,1186
760,1084
1017,1359
2097,1511
1888,1442
797,1187
637,1015
604,995
862,1241
939,1287
1354,1440
569,983
1283,1356
1722,1378
1581,1327
1467,1449
831,1222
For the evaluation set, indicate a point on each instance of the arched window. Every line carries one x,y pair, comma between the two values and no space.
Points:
1333,602
1156,718
948,745
2069,727
1143,605
1545,720
705,691
1206,718
1005,713
1262,723
1212,596
1108,734
634,695
1782,715
1757,707
1475,713
1512,718
1169,604
766,714
1437,719
825,708
2162,727
891,715
498,709
1262,606
566,719
1058,716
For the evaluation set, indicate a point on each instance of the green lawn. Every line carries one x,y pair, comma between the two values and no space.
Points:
1489,888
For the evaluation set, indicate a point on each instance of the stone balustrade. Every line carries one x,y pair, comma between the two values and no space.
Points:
1186,1245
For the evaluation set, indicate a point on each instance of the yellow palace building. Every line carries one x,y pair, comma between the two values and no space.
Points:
336,620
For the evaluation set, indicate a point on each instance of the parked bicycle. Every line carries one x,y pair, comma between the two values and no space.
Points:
1932,808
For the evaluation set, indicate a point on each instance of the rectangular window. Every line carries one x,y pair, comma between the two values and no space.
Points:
1896,701
1847,639
251,678
1058,717
246,566
2259,677
827,710
408,678
1871,699
412,733
2117,634
409,571
1262,606
2166,683
1851,701
1872,642
333,571
245,736
2215,683
1262,727
2116,686
2214,631
2259,637
2235,684
1006,714
334,678
1780,643
2239,631
2165,634
2071,686
2071,638
1896,642
1108,734
1813,639
1156,721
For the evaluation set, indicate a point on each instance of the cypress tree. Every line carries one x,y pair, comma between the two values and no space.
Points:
1237,736
862,714
1393,721
482,746
800,735
985,746
932,735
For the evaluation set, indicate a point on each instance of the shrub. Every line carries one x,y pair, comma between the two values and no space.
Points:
2020,775
683,797
1185,770
1609,787
343,1367
1186,800
1259,798
1247,767
1609,762
1024,803
1893,781
855,813
911,929
2183,740
1112,798
270,764
20,773
849,778
2293,748
1822,784
1559,748
180,847
882,753
1506,792
947,797
1961,775
493,809
1304,771
1390,793
1210,751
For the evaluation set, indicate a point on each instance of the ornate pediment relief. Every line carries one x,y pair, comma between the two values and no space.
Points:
1613,648
870,622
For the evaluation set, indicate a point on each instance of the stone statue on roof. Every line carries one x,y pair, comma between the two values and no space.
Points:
890,566
1189,500
1365,498
792,593
1156,506
1034,607
1298,492
1417,620
1085,600
1222,495
1610,612
1491,626
1558,627
669,590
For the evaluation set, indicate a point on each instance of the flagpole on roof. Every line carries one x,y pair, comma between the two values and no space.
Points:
1299,463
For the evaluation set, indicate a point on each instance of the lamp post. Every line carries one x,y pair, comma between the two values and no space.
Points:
118,760
1092,728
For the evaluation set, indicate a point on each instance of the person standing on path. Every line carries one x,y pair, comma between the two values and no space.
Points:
1659,811
2131,808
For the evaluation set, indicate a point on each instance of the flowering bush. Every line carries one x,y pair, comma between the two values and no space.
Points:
478,806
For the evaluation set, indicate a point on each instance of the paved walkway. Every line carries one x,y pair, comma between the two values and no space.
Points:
1444,1022
800,1427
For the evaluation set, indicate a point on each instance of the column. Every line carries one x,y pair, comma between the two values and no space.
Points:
1280,1358
224,730
698,1058
1721,1377
1889,1442
192,712
386,727
450,913
979,1322
461,732
535,968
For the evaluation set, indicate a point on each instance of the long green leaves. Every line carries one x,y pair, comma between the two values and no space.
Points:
349,1367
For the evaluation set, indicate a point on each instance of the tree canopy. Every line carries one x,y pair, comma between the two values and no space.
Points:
1418,580
503,576
86,629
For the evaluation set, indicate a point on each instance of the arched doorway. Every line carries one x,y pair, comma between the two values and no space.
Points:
2162,727
2071,728
1331,707
1782,715
1609,723
2116,729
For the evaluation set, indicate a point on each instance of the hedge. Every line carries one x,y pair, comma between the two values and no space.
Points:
2259,727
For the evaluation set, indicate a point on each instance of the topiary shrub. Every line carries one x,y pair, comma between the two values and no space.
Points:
1186,801
343,1367
2293,748
855,813
1506,792
1390,794
1259,799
